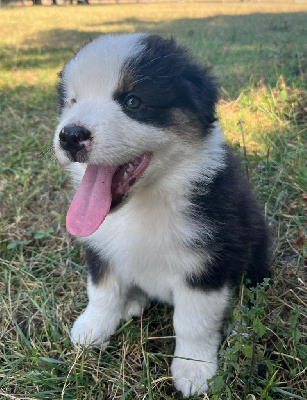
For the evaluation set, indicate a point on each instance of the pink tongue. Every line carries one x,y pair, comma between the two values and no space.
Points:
92,201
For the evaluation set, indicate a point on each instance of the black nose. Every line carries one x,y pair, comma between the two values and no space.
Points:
72,138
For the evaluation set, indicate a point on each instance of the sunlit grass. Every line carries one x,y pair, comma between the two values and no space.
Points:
242,41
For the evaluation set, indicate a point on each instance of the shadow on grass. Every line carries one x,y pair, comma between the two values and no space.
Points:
241,47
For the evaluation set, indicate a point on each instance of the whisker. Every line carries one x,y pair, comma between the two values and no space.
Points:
45,151
157,58
140,80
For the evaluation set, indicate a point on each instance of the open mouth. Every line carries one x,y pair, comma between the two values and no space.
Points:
102,188
125,176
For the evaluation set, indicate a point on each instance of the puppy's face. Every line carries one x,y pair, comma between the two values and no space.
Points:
127,104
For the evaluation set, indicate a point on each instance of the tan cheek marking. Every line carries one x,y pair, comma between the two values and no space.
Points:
186,125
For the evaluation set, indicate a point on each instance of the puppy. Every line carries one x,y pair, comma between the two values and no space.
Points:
160,204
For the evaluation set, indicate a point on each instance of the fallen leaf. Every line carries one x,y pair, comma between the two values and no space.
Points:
292,208
301,239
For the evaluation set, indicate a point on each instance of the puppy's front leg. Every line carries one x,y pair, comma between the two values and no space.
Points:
198,317
103,312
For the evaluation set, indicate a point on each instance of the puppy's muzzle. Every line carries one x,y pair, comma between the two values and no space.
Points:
74,139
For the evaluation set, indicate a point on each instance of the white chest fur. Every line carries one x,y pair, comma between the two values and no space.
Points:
144,242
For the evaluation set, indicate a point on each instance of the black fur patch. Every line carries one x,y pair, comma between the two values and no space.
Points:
166,78
97,265
240,240
61,94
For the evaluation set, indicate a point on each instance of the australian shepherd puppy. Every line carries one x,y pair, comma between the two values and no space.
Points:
160,205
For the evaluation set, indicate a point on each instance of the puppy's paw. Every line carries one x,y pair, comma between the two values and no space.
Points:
190,377
95,326
135,308
132,309
86,331
136,303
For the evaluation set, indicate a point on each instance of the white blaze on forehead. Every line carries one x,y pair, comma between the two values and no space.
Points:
97,65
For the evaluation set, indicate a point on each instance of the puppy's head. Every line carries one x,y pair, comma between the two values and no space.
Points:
127,104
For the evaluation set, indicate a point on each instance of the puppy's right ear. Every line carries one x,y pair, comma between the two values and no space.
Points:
202,90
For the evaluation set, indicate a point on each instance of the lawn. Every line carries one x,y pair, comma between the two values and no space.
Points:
259,55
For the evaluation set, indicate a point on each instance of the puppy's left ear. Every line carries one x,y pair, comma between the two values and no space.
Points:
202,90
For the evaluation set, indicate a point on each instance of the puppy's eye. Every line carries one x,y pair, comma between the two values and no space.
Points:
133,102
73,101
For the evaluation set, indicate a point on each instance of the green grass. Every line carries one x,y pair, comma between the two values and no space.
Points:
259,53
